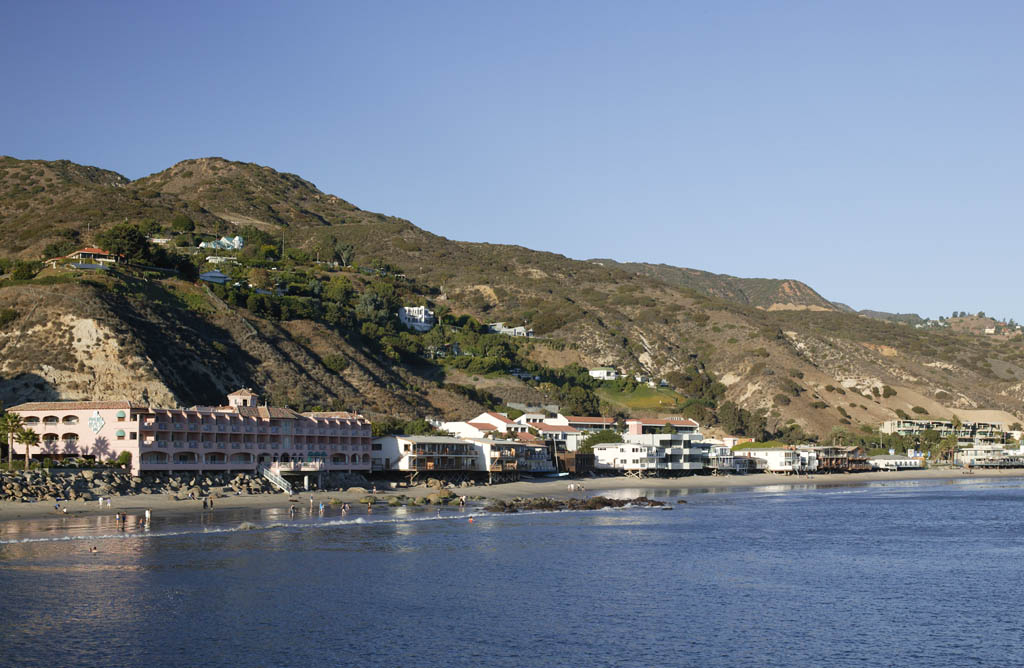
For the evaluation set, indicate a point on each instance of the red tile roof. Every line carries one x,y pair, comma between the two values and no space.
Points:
544,426
590,420
526,437
73,405
676,422
482,426
498,416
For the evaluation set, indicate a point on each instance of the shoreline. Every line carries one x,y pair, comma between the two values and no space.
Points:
164,505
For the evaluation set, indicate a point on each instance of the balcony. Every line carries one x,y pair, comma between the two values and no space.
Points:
288,467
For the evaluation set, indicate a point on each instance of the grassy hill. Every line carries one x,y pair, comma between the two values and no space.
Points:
773,348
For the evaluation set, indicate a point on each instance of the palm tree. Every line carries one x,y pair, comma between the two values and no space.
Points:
10,423
957,425
27,437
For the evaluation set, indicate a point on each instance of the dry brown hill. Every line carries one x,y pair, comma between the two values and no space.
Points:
777,345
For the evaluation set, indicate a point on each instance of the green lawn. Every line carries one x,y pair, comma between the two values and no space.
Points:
643,398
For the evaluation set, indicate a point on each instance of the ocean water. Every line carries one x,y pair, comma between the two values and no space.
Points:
890,574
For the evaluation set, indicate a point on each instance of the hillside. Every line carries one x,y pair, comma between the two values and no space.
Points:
776,347
766,293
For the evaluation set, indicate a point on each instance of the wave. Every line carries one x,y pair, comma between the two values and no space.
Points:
249,526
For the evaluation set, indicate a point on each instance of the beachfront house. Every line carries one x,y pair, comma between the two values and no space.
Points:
676,425
630,458
773,460
895,463
430,456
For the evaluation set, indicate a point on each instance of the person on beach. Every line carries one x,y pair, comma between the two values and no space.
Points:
149,516
438,513
64,510
108,502
462,501
204,504
101,501
211,503
291,511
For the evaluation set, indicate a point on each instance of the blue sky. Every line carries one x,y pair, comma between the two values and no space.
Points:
873,150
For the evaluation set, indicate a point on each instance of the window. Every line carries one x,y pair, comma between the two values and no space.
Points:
120,434
50,419
70,419
32,420
133,435
120,416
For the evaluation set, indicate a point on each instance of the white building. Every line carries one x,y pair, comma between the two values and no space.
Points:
561,437
426,455
419,318
500,328
583,423
604,373
484,424
895,462
628,457
224,243
774,460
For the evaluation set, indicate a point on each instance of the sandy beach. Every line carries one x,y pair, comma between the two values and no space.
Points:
558,488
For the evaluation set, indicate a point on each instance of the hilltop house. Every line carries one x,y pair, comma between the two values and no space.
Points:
215,276
95,256
604,373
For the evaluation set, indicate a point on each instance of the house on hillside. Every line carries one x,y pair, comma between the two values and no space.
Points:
419,318
95,256
604,373
215,276
500,328
224,243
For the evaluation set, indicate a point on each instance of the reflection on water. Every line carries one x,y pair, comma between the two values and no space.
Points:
771,575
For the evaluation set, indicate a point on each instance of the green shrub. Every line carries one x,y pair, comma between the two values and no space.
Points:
919,410
781,400
124,459
336,363
819,404
888,392
7,316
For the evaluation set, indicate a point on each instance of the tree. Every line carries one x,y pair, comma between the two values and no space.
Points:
10,423
125,239
346,253
182,223
598,437
260,278
29,438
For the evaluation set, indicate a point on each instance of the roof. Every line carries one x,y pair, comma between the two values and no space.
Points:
482,426
544,426
499,417
603,368
527,437
345,415
73,405
244,392
591,420
891,457
268,412
678,422
94,251
428,439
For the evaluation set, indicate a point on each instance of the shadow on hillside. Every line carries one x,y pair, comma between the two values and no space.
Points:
26,387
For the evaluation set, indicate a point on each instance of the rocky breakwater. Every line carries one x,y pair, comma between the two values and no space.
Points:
593,503
89,485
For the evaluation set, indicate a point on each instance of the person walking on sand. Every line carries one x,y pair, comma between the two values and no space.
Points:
204,504
108,502
291,511
149,516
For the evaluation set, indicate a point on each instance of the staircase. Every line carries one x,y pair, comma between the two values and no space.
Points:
276,480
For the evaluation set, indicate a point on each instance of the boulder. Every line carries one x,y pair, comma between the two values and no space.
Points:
88,475
356,490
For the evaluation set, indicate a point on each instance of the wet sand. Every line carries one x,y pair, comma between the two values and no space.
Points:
163,505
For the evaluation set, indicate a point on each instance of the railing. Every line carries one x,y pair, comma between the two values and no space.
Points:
276,480
298,466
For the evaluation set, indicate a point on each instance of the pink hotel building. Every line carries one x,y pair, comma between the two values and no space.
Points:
241,436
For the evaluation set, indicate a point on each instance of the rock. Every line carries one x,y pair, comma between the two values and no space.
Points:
356,490
435,483
446,494
88,475
368,499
